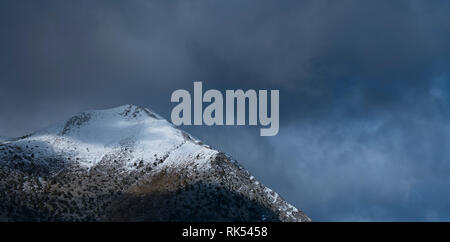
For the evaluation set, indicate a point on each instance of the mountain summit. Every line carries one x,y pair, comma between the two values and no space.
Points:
128,164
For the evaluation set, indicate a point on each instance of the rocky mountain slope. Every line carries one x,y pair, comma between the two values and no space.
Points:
128,164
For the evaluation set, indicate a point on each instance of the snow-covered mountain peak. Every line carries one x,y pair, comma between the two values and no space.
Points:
128,164
130,130
116,125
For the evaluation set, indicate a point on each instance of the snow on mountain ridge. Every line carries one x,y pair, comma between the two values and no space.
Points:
92,135
128,164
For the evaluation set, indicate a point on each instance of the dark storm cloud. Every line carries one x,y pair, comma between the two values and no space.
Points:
364,87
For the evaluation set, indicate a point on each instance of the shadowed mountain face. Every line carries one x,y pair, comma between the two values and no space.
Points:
128,164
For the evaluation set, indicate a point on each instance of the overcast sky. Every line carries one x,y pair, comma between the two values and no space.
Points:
364,87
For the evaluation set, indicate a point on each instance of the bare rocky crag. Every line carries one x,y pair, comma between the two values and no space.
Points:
128,164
